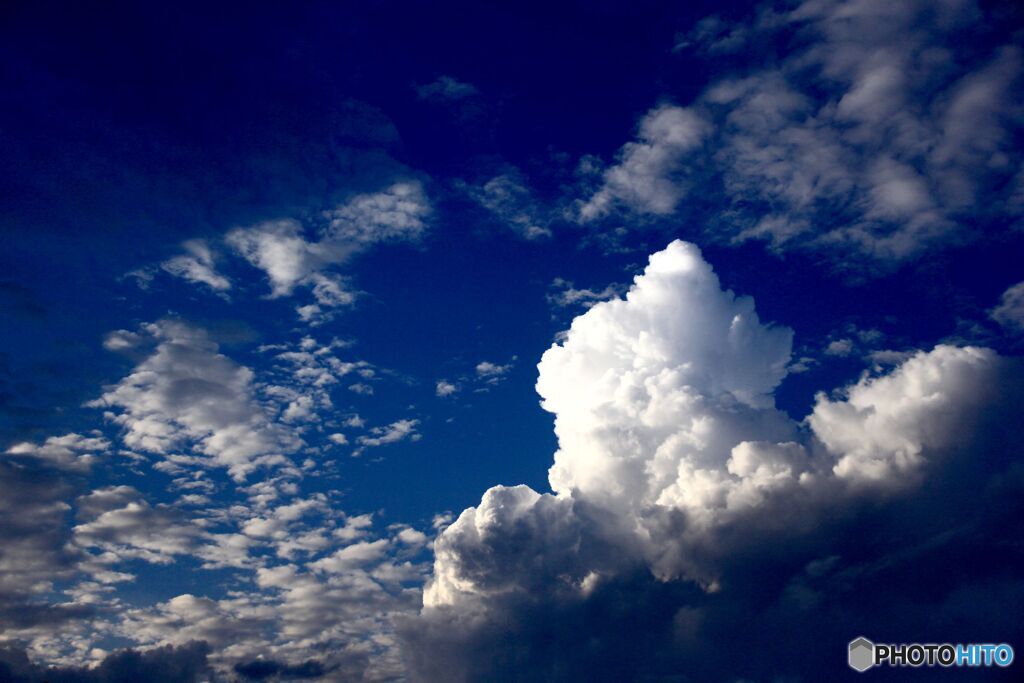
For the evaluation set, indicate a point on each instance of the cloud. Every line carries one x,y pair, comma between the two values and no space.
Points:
197,265
508,198
493,373
399,430
685,501
563,294
839,347
1010,311
446,88
291,257
168,664
445,388
187,395
72,452
138,531
877,131
650,173
34,549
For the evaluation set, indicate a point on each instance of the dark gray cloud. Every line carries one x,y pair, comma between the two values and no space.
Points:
167,664
271,669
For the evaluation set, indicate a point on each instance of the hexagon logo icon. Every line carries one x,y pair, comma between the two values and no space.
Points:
862,654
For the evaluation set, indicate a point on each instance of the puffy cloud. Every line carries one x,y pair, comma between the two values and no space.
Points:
1010,311
140,531
883,428
197,265
685,501
188,395
72,452
445,388
878,131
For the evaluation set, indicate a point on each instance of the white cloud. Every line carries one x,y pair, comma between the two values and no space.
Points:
138,531
291,256
839,347
400,430
396,214
883,428
648,175
877,131
187,395
1010,311
197,265
493,373
563,294
445,388
668,439
280,250
72,452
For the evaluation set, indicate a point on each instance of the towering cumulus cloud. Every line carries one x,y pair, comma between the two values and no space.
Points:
688,512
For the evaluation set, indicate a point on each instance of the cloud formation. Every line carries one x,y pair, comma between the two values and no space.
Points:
877,129
291,257
186,394
1010,311
675,474
197,265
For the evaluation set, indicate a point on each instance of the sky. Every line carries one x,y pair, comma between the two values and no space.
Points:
457,342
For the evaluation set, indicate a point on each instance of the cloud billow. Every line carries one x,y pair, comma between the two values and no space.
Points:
688,512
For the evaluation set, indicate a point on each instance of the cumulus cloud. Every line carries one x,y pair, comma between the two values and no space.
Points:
675,475
877,131
197,265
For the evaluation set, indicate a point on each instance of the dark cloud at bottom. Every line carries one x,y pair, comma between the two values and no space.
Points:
775,619
945,564
271,669
167,664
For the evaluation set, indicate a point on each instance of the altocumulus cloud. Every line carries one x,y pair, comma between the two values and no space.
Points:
695,532
875,131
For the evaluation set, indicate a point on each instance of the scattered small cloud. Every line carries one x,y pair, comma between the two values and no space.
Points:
1010,311
446,88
